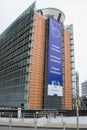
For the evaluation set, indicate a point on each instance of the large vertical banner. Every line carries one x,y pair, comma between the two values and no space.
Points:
55,58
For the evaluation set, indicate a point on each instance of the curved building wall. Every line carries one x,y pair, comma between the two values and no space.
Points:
52,12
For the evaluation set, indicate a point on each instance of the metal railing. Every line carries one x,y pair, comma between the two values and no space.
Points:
34,119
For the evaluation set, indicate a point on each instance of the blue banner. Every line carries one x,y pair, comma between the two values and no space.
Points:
55,58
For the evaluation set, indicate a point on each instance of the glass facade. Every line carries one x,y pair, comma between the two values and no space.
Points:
15,53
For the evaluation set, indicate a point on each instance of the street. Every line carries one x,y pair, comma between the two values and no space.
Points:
43,123
24,128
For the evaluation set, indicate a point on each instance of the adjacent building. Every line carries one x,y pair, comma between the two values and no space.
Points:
84,89
37,68
84,95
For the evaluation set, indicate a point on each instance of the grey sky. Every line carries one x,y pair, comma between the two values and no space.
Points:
75,12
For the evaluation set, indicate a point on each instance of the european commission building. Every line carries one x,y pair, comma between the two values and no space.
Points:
37,61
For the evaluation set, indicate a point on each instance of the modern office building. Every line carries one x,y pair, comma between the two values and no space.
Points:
84,95
37,61
84,89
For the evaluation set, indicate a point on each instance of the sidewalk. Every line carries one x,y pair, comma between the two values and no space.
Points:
58,122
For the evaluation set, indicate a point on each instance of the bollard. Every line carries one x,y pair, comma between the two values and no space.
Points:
22,116
64,125
10,124
10,121
62,118
54,114
0,114
19,113
49,119
46,114
35,122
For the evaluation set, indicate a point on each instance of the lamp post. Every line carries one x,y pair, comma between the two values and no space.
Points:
77,102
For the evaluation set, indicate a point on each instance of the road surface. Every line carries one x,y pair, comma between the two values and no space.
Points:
20,128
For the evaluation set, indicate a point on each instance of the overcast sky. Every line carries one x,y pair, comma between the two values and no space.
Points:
75,13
